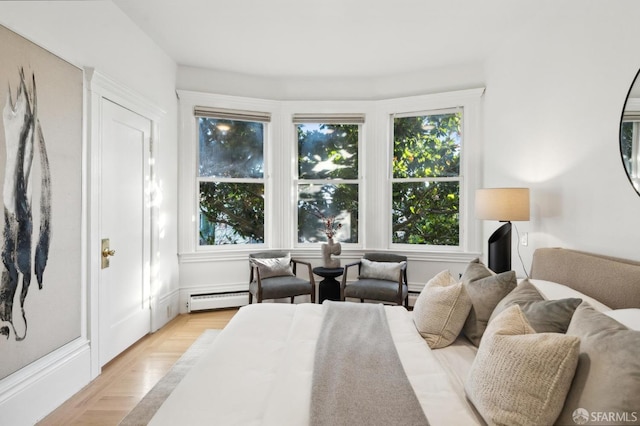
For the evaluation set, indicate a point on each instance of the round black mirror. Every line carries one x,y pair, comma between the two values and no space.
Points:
630,134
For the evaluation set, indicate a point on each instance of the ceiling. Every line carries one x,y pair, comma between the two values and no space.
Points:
330,38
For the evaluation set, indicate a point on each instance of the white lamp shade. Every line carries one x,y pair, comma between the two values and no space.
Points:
503,204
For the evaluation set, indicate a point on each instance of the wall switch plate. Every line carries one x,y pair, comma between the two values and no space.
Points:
524,240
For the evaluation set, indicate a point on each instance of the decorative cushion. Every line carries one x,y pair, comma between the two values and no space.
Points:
273,266
554,291
519,377
284,286
545,316
389,271
607,379
441,310
629,317
485,289
374,290
476,270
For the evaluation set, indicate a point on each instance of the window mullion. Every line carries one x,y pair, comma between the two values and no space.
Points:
427,179
230,180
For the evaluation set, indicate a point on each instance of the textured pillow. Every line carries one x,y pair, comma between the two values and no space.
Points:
485,290
441,310
273,267
608,375
519,377
381,270
545,316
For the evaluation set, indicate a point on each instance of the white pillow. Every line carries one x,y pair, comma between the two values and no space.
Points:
389,271
441,310
630,317
273,266
555,291
518,376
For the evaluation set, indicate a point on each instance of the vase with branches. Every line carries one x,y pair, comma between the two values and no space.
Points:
331,227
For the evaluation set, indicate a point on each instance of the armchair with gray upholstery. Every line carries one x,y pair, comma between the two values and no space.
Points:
381,277
273,276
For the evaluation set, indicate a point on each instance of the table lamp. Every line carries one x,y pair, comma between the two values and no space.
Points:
504,205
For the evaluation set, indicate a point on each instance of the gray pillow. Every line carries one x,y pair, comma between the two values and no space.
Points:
485,290
607,379
273,267
475,270
545,316
389,271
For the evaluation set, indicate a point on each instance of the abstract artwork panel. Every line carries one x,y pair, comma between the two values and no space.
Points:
41,217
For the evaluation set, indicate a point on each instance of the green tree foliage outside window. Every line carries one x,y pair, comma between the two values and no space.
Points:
231,181
426,179
327,180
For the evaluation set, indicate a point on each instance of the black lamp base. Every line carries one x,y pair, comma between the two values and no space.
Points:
500,249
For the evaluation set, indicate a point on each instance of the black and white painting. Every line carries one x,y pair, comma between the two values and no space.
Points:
41,180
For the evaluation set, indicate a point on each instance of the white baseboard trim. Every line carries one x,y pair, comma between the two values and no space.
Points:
166,310
33,392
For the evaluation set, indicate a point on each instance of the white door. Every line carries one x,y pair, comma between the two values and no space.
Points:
124,314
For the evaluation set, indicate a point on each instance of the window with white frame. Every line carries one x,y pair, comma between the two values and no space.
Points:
230,176
426,178
328,184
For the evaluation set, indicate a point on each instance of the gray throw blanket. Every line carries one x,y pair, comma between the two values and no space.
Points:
358,378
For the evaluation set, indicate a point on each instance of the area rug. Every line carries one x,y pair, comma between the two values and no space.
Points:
143,412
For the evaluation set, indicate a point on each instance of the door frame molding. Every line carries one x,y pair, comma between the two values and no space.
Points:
101,87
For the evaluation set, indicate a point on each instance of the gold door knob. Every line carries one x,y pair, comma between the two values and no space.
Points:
106,253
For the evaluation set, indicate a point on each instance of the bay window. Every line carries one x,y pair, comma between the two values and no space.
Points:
396,174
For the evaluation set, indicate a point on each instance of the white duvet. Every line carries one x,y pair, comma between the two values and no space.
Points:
258,372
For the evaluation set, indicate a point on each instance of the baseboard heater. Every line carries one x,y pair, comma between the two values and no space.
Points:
200,302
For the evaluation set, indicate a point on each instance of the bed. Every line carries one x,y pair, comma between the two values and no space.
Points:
260,369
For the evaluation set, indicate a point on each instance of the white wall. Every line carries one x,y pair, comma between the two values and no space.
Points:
553,101
553,105
97,34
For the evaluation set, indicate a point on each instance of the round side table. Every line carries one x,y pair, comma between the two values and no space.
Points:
329,287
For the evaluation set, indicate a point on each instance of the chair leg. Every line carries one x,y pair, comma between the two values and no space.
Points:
250,297
361,300
292,297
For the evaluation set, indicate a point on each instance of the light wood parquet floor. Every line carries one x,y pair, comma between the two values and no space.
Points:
129,376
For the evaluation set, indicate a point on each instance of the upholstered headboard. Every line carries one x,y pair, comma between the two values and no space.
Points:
613,281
